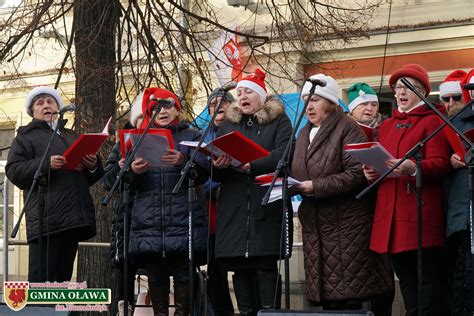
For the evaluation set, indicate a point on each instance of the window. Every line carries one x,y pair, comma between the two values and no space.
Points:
10,203
6,139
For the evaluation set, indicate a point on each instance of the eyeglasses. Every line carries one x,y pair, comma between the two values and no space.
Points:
400,87
456,98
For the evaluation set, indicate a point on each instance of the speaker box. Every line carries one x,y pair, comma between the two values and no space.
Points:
30,310
313,313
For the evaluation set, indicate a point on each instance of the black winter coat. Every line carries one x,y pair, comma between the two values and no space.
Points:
244,227
159,225
68,203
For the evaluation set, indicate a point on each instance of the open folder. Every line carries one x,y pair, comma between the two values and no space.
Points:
372,154
236,146
86,144
276,193
152,148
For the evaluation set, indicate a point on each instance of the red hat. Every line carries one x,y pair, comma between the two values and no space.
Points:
256,82
468,79
148,103
452,83
414,71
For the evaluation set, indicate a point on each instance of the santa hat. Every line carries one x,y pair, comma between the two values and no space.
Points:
360,92
414,71
42,90
256,82
156,93
452,83
330,91
136,109
469,79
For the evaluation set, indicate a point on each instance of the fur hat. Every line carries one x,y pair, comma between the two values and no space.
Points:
136,109
414,71
330,91
256,82
218,92
42,90
360,92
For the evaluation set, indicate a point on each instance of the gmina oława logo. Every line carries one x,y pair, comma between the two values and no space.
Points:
17,294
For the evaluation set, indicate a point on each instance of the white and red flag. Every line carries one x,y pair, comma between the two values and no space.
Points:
226,58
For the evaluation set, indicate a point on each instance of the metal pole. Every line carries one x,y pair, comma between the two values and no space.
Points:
5,229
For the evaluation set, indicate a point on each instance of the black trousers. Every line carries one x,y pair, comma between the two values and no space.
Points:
160,271
58,254
218,285
434,296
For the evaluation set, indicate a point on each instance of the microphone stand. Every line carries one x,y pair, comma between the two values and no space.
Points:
126,200
36,178
283,164
192,198
414,152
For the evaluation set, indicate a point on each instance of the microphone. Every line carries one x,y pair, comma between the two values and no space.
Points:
229,86
469,86
70,108
167,103
317,82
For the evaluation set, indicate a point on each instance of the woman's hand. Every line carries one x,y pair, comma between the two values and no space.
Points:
173,157
57,162
140,165
305,187
89,162
244,168
456,162
407,167
370,173
121,163
222,162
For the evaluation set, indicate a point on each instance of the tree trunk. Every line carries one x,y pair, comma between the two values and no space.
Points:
95,24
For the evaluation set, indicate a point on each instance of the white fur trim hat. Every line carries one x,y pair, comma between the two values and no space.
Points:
256,82
42,90
329,92
452,83
136,109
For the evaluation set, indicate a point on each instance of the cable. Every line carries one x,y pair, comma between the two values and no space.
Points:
386,45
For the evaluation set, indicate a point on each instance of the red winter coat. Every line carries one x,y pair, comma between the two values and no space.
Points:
395,219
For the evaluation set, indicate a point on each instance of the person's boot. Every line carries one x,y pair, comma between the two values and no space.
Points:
244,289
181,299
269,290
160,296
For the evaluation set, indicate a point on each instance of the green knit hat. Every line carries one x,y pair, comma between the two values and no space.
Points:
360,92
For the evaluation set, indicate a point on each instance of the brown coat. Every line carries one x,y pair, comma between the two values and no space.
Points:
336,227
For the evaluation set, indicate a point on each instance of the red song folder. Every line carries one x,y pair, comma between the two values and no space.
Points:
369,131
153,146
86,144
236,146
456,142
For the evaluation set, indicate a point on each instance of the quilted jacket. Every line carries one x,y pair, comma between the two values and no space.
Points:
335,226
